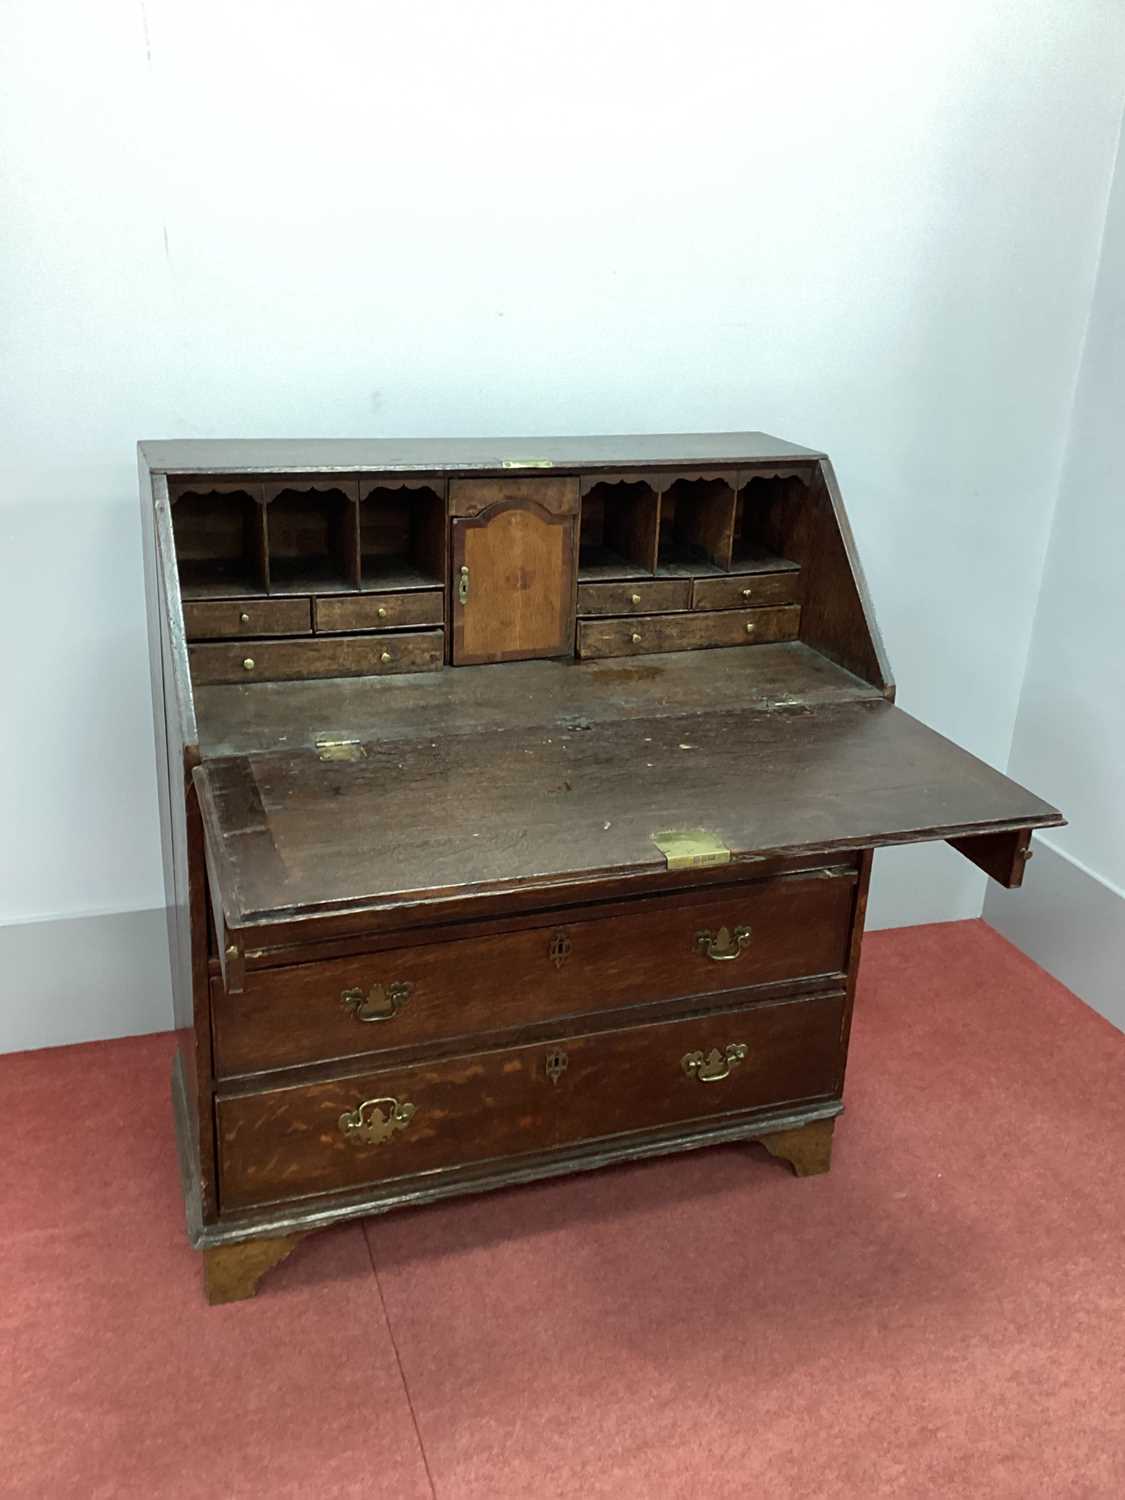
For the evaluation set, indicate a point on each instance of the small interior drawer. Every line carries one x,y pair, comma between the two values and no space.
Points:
730,627
319,656
747,591
379,611
639,597
222,618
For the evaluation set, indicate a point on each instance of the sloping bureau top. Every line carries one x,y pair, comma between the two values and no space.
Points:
345,455
294,837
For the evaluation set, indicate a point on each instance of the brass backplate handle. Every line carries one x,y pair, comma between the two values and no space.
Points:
463,586
710,1067
722,946
382,1002
368,1125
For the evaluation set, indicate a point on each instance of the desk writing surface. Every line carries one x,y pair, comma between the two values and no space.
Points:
241,718
293,835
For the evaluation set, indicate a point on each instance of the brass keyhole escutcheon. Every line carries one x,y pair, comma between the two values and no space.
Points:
746,593
560,949
556,1064
463,586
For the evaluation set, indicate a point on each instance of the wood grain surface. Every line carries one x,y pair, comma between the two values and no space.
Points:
338,656
288,1143
800,928
697,631
291,834
379,611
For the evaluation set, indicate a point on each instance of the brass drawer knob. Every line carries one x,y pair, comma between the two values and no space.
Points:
712,1066
634,598
382,1002
367,1125
385,656
635,638
244,618
722,946
380,613
248,664
746,593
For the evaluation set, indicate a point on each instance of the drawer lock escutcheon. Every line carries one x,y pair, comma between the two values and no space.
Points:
710,1067
368,1125
463,586
560,949
556,1063
382,1002
722,946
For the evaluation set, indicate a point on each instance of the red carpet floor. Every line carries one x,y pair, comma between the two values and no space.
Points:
942,1315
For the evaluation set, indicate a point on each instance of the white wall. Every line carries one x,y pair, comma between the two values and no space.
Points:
1069,739
872,228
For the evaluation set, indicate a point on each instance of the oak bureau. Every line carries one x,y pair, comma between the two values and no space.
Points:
518,800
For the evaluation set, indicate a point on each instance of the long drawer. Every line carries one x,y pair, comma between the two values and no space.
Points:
728,627
378,1126
704,942
324,656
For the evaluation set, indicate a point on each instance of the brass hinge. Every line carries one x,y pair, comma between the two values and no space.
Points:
340,750
691,848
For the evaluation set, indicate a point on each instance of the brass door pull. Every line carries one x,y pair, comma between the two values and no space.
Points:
367,1125
721,945
463,586
382,1002
712,1066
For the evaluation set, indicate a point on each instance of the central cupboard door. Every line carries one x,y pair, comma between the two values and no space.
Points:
513,583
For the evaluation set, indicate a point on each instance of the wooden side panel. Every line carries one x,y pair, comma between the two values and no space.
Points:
809,526
181,836
515,565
